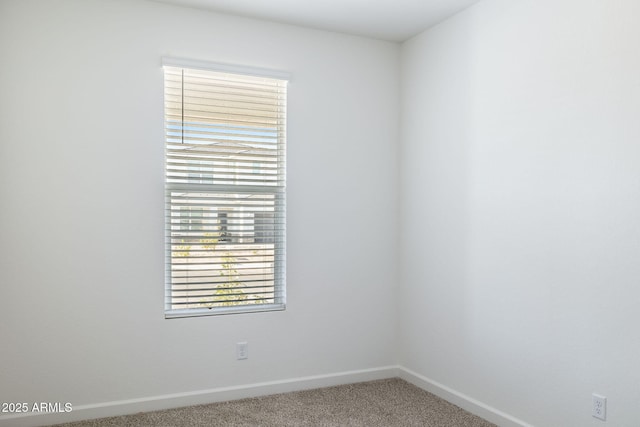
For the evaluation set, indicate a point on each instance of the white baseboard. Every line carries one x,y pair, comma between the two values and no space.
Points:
155,403
459,399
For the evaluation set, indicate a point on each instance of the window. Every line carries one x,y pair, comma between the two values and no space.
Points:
225,189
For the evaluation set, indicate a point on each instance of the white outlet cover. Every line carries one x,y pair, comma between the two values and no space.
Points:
242,350
599,407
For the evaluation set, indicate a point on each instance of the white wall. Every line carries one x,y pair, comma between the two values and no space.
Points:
520,187
519,194
81,223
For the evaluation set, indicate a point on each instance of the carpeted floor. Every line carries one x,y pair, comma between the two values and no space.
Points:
383,403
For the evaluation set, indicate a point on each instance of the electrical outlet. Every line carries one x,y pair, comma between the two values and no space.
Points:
599,409
242,350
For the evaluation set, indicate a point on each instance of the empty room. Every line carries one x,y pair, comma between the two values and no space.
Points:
211,202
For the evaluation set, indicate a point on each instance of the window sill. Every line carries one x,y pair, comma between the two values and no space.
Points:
197,312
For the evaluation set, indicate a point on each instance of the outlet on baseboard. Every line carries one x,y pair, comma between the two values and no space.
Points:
599,408
242,350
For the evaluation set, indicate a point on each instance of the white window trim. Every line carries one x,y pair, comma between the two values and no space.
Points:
225,68
196,312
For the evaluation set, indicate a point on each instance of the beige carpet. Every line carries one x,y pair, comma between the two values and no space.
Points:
387,403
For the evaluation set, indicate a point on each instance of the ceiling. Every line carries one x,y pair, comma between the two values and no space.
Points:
393,20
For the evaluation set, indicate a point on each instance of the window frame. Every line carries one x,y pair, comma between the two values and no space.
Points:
278,192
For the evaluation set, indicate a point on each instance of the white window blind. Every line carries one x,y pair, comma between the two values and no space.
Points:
225,191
